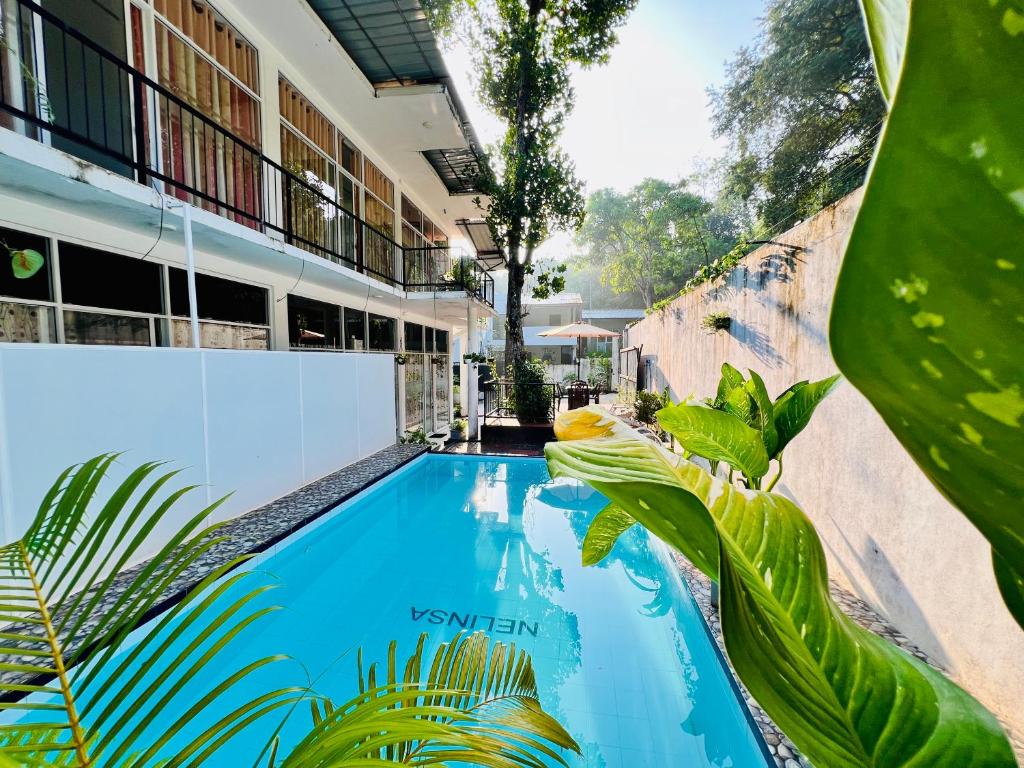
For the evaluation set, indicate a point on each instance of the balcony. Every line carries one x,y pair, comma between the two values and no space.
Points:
62,89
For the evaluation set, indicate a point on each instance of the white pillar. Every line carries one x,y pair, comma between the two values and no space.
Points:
190,261
615,364
469,386
472,319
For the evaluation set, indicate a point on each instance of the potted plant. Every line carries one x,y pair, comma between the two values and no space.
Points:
458,430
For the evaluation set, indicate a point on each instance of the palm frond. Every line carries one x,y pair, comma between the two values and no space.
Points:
478,704
82,697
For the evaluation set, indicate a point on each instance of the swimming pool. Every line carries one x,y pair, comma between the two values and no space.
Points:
621,654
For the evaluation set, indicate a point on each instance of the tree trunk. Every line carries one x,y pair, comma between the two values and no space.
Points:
515,348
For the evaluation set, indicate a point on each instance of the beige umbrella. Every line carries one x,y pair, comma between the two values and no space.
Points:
579,331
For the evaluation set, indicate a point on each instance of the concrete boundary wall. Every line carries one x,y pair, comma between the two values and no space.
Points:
255,425
890,536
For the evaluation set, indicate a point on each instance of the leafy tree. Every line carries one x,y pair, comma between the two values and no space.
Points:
801,108
650,239
527,48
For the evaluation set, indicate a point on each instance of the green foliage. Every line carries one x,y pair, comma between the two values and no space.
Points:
716,321
600,375
474,704
529,397
932,271
525,55
845,696
25,262
548,282
462,274
741,426
415,437
709,272
53,584
651,238
801,110
646,407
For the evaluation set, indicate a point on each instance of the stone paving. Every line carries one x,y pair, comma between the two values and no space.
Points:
255,531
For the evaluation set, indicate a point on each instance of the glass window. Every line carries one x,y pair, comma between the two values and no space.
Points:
94,278
215,36
441,341
352,159
355,330
35,288
413,337
382,333
554,319
306,119
566,355
314,324
219,299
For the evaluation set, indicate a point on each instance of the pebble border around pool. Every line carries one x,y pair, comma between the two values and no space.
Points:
258,530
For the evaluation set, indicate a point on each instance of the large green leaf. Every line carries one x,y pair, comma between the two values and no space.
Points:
927,320
605,529
847,697
765,413
796,405
55,589
887,31
718,436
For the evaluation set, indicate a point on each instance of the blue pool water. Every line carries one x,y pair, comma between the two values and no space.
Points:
621,655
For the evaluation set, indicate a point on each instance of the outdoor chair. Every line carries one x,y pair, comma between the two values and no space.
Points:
578,393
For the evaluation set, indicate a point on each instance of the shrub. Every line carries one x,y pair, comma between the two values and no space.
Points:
646,407
717,321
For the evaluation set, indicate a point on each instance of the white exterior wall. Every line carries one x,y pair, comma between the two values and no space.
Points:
256,425
890,536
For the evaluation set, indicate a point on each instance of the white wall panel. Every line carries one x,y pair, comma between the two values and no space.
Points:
254,427
258,424
376,402
330,398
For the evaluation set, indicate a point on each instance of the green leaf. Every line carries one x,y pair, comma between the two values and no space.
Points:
739,404
927,320
623,468
58,577
847,697
731,379
887,30
605,529
1011,584
476,705
764,413
26,262
794,408
717,436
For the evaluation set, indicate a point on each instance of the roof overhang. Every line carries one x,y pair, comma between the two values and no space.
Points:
479,235
394,47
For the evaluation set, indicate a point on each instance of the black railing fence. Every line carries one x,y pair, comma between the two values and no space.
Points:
59,87
531,402
446,269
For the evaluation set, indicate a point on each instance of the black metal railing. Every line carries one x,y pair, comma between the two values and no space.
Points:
531,402
58,86
446,269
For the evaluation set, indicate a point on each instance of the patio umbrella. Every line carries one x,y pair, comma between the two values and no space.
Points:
579,331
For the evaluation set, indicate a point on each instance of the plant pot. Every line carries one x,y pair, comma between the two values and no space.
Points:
458,435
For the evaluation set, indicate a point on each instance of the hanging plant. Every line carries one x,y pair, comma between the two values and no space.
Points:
717,321
25,262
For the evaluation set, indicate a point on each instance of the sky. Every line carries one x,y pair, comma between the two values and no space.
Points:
646,112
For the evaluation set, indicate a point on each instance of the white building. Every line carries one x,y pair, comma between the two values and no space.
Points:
324,161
